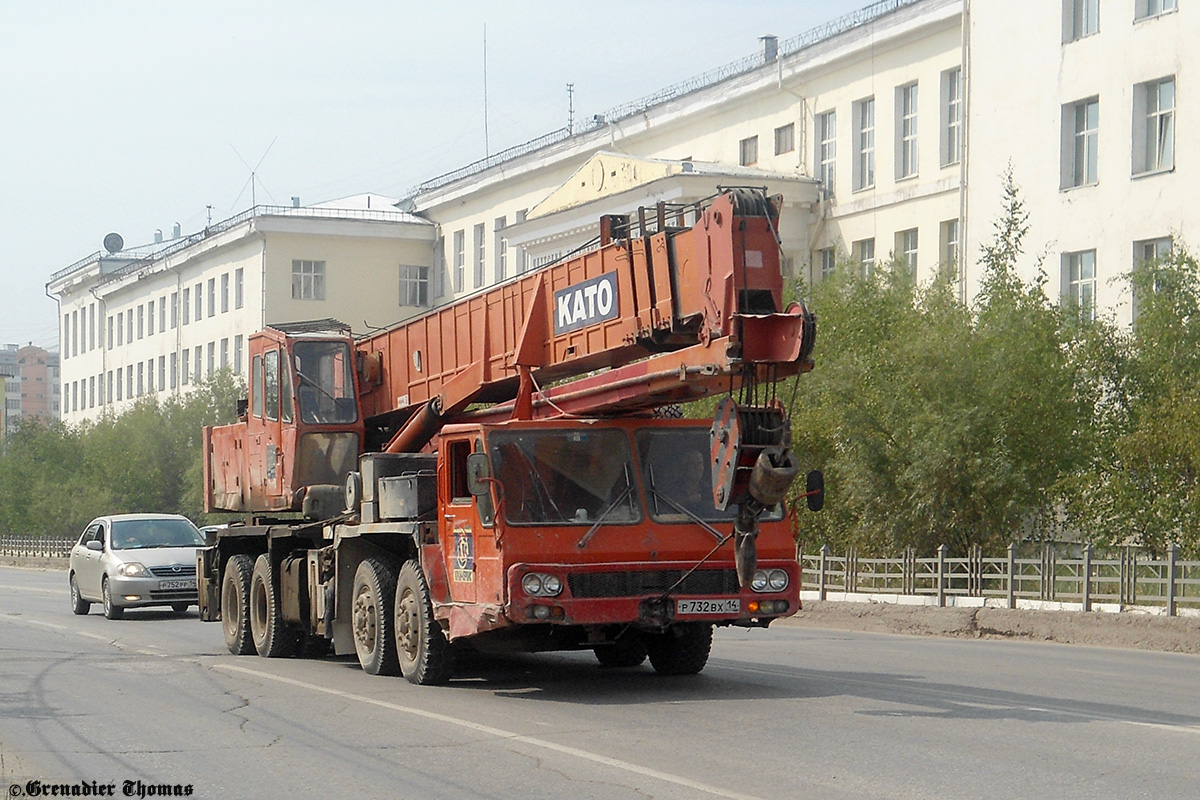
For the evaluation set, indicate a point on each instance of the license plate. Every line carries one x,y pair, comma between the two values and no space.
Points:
186,584
730,606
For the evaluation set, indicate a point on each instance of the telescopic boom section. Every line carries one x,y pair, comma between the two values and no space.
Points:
642,321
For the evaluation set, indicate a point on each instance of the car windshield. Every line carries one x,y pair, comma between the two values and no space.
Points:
678,476
140,534
325,382
565,477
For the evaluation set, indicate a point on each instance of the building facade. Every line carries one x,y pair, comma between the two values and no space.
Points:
29,386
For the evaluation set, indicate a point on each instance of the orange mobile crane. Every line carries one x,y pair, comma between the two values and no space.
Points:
498,473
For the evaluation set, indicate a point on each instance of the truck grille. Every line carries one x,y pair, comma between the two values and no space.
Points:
633,584
176,571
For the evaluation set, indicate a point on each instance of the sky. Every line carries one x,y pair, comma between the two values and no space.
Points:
130,116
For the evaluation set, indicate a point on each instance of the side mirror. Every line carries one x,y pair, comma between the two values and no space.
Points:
479,469
815,490
95,545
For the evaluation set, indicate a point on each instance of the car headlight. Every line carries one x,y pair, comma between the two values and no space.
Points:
132,569
536,584
778,580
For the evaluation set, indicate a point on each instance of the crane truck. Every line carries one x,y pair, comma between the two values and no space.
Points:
499,474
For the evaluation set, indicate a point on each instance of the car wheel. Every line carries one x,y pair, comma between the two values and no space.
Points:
682,649
271,639
371,617
78,604
235,604
424,653
111,609
179,608
627,651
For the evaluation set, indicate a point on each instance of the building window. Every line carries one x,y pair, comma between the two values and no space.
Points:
308,280
1079,282
150,318
212,359
110,387
1080,135
237,354
239,289
949,243
197,360
174,310
212,297
184,368
162,314
174,371
952,116
141,324
414,286
129,382
785,139
501,248
149,375
864,254
522,258
162,373
826,149
1080,18
460,260
199,291
224,292
187,304
864,144
828,262
1154,126
120,384
478,250
110,333
92,327
141,384
1148,251
748,151
91,392
1152,8
225,353
906,131
906,250
75,337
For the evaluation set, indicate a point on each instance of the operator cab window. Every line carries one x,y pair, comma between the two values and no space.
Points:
460,491
256,392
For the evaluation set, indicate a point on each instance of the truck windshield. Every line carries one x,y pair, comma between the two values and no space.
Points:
325,383
677,472
565,477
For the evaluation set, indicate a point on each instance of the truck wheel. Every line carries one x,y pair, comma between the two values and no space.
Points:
78,604
422,647
680,650
271,639
371,619
111,610
627,651
235,604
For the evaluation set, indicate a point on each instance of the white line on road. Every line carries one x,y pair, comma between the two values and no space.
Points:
501,734
46,625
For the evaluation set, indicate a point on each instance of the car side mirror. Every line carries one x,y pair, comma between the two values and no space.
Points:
478,472
95,545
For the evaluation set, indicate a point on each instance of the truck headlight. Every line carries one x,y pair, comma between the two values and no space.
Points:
537,584
769,580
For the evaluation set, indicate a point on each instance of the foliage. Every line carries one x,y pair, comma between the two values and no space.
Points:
936,422
54,478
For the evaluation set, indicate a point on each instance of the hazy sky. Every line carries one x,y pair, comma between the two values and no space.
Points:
132,116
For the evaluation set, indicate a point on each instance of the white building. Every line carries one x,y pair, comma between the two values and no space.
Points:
155,319
886,132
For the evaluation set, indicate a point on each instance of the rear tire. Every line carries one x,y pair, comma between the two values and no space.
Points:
111,609
680,650
371,617
271,638
235,604
179,608
422,648
78,604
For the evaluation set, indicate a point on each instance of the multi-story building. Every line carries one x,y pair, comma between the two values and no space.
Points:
30,385
156,319
886,133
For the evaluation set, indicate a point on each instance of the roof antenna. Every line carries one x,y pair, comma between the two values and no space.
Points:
570,108
253,173
487,150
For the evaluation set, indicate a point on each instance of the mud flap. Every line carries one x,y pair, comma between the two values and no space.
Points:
208,584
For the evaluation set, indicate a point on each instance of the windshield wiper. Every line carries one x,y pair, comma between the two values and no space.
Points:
687,512
587,537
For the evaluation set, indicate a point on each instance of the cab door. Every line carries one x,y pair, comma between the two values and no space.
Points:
263,428
460,526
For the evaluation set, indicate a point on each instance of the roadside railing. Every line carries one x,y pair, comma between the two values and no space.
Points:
1121,579
35,547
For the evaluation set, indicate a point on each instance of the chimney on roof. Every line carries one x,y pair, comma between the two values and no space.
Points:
295,202
158,236
770,48
175,231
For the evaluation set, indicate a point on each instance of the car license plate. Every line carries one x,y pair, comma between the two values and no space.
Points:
729,606
186,584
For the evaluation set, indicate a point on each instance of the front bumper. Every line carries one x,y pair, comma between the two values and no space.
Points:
606,594
151,590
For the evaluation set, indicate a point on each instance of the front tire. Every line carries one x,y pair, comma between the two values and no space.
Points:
680,650
78,604
271,639
179,608
111,609
371,617
421,645
235,604
627,651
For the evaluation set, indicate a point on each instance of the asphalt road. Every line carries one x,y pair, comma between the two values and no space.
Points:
782,713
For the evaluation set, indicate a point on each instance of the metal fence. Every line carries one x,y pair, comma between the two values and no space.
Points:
35,547
1123,578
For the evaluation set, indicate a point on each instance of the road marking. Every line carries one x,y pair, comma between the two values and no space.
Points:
97,637
46,625
26,589
500,733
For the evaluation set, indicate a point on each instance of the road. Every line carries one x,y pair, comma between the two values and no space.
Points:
782,713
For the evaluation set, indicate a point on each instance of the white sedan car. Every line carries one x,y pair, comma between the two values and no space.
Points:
135,560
